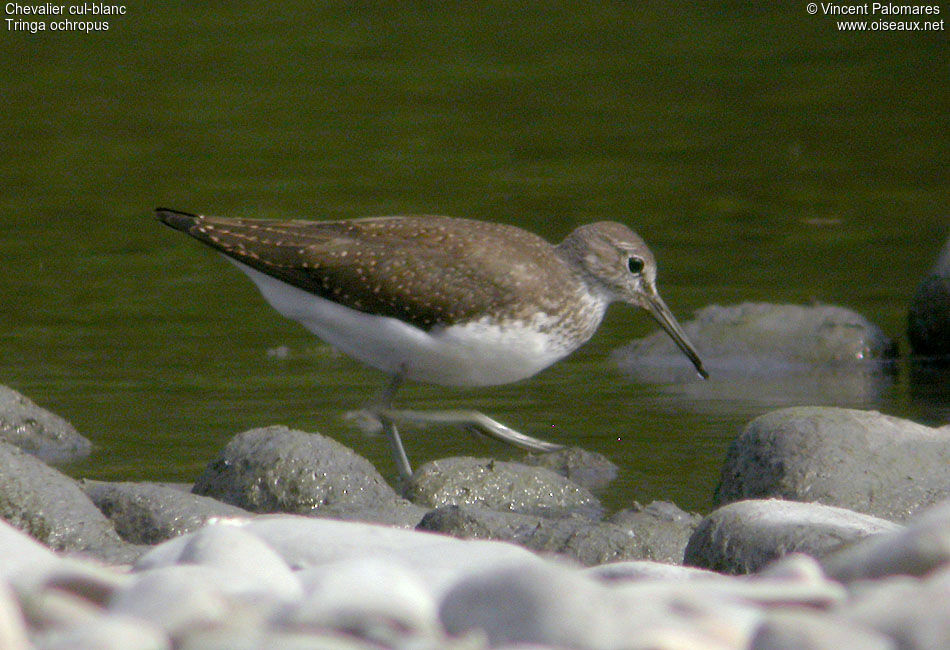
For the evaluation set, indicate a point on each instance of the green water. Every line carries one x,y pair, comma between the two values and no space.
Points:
760,152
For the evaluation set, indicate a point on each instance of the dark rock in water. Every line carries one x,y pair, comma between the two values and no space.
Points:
588,542
498,485
37,431
776,354
743,537
52,508
860,460
276,469
661,527
923,547
148,513
928,320
586,468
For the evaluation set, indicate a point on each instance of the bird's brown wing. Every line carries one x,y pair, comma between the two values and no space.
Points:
428,271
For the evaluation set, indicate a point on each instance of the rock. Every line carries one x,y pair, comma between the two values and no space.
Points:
661,527
585,468
106,633
860,460
52,508
21,554
560,607
928,320
760,340
634,570
374,599
537,605
914,613
305,542
400,513
576,536
237,552
921,548
37,431
810,631
498,485
745,536
12,628
276,469
91,582
148,513
240,638
182,598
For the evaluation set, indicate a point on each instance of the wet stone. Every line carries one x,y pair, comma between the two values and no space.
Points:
745,536
148,513
575,536
585,468
276,469
52,508
38,431
661,527
501,486
860,460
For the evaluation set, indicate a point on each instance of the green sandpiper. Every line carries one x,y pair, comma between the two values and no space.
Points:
442,300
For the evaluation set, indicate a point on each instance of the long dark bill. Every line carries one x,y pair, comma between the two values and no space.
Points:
662,315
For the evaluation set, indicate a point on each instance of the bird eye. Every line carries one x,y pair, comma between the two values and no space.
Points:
635,264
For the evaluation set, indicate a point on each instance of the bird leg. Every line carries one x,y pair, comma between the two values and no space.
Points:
476,422
380,409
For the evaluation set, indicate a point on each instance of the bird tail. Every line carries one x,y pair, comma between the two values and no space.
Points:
177,219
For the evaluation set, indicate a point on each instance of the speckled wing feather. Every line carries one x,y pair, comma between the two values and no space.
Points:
426,271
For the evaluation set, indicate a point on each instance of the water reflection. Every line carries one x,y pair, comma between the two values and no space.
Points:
743,384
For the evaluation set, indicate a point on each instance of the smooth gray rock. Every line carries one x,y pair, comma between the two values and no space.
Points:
37,431
745,536
914,613
21,554
499,485
149,513
785,630
760,340
240,638
661,527
586,541
860,460
529,605
106,633
585,468
373,598
52,508
921,548
12,627
305,542
928,320
276,469
88,581
238,552
561,607
634,570
400,513
182,598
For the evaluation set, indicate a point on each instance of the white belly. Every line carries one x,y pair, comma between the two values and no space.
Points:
475,354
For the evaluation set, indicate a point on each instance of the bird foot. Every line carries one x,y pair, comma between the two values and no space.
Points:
376,419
